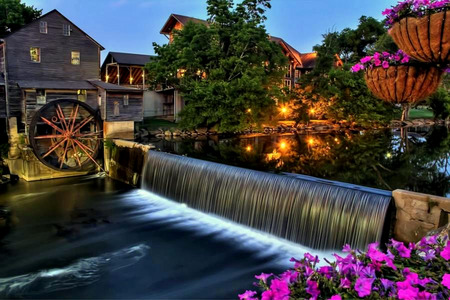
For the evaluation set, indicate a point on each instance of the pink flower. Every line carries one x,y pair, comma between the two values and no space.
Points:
405,60
357,68
374,253
312,289
385,65
366,59
313,259
410,293
335,297
364,286
248,295
377,62
446,252
446,280
280,289
347,248
289,276
263,276
268,295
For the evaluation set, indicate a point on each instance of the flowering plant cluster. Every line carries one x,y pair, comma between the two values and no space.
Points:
413,8
416,271
384,60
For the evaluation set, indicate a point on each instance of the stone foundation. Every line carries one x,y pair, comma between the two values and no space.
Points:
418,213
28,167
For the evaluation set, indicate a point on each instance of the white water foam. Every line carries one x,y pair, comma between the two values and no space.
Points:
81,273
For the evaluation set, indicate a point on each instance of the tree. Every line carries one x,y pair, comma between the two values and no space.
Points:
14,14
228,73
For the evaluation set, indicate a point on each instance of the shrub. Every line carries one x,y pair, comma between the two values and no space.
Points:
440,103
402,272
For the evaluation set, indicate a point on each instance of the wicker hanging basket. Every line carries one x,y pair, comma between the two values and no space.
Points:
426,39
403,84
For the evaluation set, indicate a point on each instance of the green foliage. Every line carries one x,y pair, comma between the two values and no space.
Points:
224,69
4,149
336,93
440,103
14,14
109,144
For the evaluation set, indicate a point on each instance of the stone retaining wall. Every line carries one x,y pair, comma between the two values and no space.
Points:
124,161
418,213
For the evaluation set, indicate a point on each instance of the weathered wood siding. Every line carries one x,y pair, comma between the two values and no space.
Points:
15,100
131,112
31,105
2,102
55,52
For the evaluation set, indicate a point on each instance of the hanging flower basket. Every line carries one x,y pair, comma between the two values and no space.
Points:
421,29
403,83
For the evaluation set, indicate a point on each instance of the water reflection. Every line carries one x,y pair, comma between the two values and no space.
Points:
415,160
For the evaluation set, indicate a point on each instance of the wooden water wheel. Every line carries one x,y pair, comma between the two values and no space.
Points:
66,135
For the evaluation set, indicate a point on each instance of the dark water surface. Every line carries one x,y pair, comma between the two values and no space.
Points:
416,159
92,237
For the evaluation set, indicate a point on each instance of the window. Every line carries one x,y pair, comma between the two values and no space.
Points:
43,27
81,95
297,74
41,99
287,83
75,57
125,99
66,29
116,109
289,74
35,54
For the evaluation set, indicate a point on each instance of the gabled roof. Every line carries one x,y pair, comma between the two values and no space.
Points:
291,50
174,18
309,60
73,24
129,59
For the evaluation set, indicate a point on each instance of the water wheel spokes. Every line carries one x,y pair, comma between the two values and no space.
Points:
66,135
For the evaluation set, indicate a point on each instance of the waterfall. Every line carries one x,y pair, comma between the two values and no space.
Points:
312,212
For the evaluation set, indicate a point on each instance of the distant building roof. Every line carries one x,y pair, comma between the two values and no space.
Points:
56,84
113,87
174,18
129,59
309,60
294,53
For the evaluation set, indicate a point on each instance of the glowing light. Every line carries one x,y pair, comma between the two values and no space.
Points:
311,141
283,145
336,140
312,111
388,155
249,110
284,109
248,148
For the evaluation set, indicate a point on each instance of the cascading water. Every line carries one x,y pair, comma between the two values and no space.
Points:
307,211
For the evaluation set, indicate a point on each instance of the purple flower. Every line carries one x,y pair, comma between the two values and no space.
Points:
326,271
345,283
263,276
377,62
347,248
335,297
385,65
402,250
446,252
426,296
248,295
387,284
446,280
312,289
363,286
312,259
289,276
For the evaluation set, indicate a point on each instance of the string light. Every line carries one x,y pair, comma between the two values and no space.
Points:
248,148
